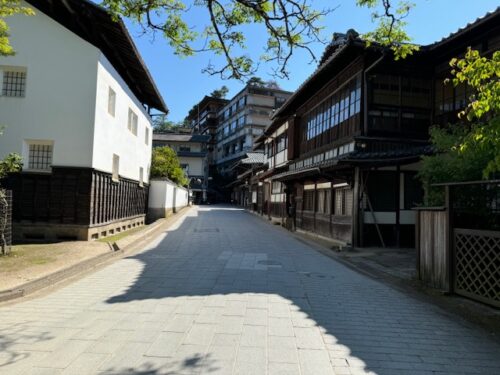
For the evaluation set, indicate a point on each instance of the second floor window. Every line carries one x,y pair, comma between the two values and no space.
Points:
132,121
146,136
281,142
14,83
111,101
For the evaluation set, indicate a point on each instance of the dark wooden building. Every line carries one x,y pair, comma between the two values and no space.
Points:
356,130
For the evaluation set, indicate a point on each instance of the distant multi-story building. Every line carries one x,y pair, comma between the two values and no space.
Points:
192,152
242,120
203,120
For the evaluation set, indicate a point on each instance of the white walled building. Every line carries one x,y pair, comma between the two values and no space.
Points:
242,120
74,103
191,149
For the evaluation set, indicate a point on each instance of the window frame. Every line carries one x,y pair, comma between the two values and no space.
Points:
133,121
111,102
115,168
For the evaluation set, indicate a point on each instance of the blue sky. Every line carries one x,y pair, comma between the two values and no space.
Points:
182,83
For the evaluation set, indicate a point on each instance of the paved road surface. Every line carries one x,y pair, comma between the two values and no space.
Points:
225,293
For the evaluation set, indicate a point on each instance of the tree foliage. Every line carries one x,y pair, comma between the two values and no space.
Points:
162,124
220,93
469,150
482,75
165,163
12,163
450,163
391,26
290,25
9,8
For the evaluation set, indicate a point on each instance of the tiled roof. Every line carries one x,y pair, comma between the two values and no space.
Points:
478,21
297,92
387,155
254,158
176,137
341,41
355,157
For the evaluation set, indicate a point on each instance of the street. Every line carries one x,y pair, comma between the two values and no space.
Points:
223,292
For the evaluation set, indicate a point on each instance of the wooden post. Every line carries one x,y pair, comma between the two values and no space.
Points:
417,243
398,205
450,261
355,210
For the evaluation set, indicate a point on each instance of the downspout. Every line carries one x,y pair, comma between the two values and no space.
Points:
365,83
359,216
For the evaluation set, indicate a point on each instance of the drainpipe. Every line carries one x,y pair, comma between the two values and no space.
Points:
358,217
365,83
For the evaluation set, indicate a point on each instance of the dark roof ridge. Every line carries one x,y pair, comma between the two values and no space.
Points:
469,26
95,25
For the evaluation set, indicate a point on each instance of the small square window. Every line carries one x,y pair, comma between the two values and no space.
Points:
132,121
111,102
40,156
14,83
116,167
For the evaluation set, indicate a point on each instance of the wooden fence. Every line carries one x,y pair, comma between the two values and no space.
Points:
432,247
458,246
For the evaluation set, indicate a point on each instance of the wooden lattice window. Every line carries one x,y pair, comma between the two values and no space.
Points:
343,202
40,156
14,83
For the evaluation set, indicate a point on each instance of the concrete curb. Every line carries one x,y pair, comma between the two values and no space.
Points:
92,264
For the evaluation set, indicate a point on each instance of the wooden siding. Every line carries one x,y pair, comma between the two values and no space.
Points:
432,248
345,130
76,196
338,227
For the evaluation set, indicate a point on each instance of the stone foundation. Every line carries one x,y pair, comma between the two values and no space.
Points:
42,231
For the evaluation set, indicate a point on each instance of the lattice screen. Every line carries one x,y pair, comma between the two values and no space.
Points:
477,265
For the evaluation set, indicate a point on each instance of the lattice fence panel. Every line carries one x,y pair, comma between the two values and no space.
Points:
6,222
477,265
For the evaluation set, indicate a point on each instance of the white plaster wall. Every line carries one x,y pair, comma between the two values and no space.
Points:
111,135
60,91
405,217
263,100
162,196
157,194
196,165
181,197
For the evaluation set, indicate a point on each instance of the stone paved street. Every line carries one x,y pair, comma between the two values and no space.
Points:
223,292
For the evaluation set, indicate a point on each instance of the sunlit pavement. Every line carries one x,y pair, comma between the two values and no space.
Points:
223,292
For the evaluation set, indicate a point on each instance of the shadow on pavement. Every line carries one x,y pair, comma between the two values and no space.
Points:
227,261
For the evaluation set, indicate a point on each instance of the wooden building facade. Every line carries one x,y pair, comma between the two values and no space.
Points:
357,129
